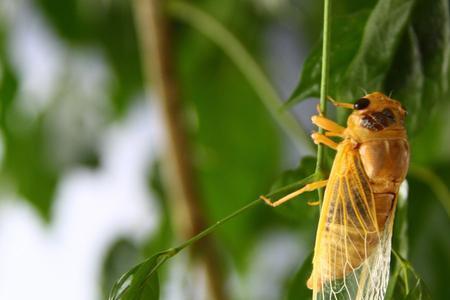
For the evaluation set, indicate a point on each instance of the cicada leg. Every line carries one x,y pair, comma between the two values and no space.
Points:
307,188
319,138
334,128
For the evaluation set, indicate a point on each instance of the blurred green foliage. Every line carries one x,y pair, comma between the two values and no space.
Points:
108,25
389,45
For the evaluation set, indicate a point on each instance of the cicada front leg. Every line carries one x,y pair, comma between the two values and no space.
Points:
307,188
333,128
319,138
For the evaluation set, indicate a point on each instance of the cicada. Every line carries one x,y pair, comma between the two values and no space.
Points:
353,241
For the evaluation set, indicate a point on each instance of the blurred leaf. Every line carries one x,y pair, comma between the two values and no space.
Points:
436,129
8,89
297,210
108,25
406,77
412,63
163,236
382,34
399,238
27,162
141,282
297,288
346,35
120,258
419,291
409,285
419,75
431,24
429,225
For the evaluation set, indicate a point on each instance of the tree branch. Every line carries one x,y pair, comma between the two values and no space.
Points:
154,37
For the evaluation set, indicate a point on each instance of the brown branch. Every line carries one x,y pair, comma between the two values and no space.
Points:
154,36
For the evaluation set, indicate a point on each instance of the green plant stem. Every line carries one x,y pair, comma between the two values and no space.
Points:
223,38
324,86
213,227
434,182
404,269
173,251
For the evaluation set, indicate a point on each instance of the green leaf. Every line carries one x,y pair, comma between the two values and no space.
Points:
419,74
419,292
429,225
141,282
431,24
297,288
105,25
406,78
378,46
162,238
297,210
346,34
8,88
399,238
120,257
28,163
362,47
409,286
402,46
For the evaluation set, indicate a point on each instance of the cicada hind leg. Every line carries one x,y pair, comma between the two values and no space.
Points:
307,188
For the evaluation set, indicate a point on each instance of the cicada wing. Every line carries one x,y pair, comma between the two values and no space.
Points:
352,252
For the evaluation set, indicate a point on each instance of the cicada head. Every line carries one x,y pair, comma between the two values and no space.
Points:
376,113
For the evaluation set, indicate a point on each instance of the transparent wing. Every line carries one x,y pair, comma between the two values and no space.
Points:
352,252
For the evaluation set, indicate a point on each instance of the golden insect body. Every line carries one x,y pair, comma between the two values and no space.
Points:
353,240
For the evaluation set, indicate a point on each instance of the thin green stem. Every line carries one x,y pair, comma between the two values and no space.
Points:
214,227
324,85
403,269
223,38
173,251
434,182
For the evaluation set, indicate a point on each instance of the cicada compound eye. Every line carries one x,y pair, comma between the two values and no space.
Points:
361,103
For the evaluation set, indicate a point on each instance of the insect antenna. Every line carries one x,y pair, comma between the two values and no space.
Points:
364,91
390,93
